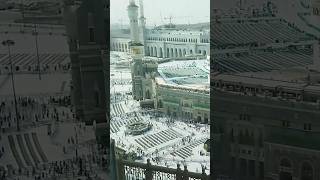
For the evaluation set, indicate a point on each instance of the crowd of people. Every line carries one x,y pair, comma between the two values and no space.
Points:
31,110
81,166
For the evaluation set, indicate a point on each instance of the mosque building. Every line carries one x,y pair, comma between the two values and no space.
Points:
175,83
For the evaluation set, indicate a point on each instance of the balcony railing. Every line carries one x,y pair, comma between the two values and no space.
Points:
141,171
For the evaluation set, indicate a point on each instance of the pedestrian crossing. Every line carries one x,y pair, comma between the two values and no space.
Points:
26,149
27,59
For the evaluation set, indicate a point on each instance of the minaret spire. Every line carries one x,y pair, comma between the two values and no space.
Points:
133,17
137,52
141,9
142,20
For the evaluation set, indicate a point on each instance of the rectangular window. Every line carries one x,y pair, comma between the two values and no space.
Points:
97,100
285,123
251,168
91,34
233,164
261,167
307,127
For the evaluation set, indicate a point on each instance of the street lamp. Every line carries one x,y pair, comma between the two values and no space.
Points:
9,43
22,10
35,33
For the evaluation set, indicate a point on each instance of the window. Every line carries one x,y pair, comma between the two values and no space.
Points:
251,167
243,167
233,164
285,123
307,127
260,140
306,171
261,169
232,135
245,117
97,100
91,34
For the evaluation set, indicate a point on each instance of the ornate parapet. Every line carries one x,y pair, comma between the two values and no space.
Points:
137,170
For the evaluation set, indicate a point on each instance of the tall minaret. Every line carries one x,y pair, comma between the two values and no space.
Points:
133,16
137,52
142,23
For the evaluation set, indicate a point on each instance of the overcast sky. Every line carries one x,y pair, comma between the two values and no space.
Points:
182,11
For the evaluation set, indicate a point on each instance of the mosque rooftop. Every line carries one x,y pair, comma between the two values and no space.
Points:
293,78
185,73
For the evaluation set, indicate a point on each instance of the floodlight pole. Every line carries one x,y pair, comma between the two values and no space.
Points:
9,43
35,33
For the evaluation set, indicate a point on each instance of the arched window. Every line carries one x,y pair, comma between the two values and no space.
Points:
306,171
284,165
155,52
199,119
147,94
161,53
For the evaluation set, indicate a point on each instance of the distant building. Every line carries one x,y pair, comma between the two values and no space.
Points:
265,100
183,97
163,42
264,128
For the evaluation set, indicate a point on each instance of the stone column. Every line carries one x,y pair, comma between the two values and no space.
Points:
158,52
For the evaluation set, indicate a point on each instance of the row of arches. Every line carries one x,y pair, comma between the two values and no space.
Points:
120,46
190,40
248,168
204,40
170,52
286,170
158,51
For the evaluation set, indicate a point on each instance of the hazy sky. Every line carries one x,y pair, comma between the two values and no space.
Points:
182,11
